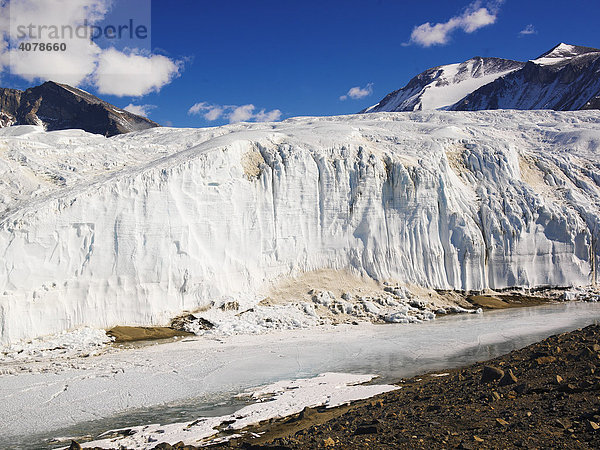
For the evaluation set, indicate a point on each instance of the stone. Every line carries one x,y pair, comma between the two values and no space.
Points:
502,422
593,426
230,306
545,360
328,442
491,374
569,388
180,323
522,388
74,446
587,353
508,378
563,423
559,379
366,429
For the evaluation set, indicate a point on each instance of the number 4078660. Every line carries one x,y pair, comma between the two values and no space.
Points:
42,47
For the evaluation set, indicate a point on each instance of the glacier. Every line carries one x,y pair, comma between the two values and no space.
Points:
136,228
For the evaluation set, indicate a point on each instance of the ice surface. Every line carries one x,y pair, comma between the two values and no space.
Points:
81,342
135,229
280,399
71,391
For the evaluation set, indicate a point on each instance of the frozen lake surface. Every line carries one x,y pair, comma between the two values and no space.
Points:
183,380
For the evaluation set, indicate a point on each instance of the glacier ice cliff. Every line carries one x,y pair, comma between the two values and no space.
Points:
136,228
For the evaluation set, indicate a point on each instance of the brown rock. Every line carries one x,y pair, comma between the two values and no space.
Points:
502,422
559,379
545,360
477,439
74,446
328,442
593,426
508,378
491,374
562,423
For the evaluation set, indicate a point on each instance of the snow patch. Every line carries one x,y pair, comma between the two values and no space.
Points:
281,399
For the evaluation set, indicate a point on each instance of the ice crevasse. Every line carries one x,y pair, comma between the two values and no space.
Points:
136,228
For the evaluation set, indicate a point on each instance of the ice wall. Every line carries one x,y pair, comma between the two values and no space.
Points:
444,200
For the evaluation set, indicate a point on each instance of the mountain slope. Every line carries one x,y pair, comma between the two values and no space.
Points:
59,106
565,78
135,229
441,87
9,105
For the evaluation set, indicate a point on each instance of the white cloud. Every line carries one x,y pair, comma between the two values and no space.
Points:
472,19
241,114
140,110
234,113
133,74
71,66
197,107
529,29
357,92
111,71
268,116
214,113
211,112
3,54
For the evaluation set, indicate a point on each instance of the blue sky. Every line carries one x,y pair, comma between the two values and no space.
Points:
289,58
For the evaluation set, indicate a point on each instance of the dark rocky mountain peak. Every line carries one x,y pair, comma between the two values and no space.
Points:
59,106
563,50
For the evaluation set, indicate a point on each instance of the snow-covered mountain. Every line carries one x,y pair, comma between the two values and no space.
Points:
563,79
136,228
567,78
58,106
441,87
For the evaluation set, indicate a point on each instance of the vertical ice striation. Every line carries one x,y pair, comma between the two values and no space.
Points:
141,227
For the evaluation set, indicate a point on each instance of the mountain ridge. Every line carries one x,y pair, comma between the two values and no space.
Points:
564,78
57,106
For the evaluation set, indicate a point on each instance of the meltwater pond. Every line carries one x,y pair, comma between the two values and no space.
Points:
183,380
